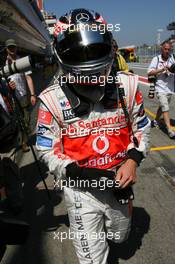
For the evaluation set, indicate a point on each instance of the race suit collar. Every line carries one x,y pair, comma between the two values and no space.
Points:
82,107
79,106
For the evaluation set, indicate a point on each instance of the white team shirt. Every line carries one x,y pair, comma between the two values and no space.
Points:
165,82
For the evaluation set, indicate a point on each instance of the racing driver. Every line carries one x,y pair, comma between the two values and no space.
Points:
91,130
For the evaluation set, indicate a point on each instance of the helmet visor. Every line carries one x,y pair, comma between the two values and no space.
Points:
82,46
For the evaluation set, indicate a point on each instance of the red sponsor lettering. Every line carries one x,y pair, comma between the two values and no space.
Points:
44,117
98,151
102,122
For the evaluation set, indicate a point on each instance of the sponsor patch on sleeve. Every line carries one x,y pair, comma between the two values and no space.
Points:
41,130
139,97
143,122
44,142
44,117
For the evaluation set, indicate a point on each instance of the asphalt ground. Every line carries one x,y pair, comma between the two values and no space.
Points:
152,239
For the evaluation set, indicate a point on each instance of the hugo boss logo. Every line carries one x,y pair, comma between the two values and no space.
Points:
68,114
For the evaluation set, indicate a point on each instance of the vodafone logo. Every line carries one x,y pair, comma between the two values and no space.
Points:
100,144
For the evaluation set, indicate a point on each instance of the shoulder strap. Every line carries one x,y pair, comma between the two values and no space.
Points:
121,92
116,60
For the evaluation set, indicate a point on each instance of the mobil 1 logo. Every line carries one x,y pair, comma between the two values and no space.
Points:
67,111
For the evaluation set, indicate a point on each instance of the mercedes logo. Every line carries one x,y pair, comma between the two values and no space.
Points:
82,17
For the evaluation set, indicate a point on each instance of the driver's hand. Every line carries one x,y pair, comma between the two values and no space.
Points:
126,174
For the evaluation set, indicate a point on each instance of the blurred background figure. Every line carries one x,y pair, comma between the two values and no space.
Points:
23,86
119,62
10,142
160,67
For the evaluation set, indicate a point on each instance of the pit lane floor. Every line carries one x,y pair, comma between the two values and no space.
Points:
152,239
